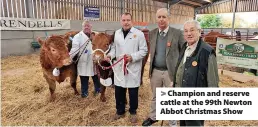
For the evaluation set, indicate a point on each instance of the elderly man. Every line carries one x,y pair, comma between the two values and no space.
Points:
165,44
197,65
129,43
82,45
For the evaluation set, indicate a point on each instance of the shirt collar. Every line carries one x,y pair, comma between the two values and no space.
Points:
131,30
193,46
165,31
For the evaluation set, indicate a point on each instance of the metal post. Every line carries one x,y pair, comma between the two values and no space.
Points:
168,7
122,6
29,10
195,13
233,22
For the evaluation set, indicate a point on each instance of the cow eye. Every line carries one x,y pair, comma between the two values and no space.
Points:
53,50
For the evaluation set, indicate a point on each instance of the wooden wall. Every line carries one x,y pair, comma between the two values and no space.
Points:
110,10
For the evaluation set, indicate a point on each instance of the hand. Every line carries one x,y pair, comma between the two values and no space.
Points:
129,58
107,58
171,84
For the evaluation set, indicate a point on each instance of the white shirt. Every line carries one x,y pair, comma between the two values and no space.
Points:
189,50
165,31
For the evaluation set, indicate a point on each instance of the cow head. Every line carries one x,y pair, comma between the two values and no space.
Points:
55,50
101,45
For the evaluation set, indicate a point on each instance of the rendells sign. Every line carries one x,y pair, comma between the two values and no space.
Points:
33,24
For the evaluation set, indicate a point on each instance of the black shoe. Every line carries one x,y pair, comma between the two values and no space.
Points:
84,95
149,122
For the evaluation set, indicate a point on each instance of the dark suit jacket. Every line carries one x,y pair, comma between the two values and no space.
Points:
175,37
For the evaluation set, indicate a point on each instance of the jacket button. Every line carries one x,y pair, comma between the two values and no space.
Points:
185,69
183,80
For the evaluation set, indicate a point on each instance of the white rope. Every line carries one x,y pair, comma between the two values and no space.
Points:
114,71
105,53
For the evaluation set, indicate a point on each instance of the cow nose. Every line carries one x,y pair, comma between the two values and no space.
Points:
67,61
97,57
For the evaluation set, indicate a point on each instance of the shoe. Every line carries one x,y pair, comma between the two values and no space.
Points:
149,122
116,117
84,95
133,118
95,93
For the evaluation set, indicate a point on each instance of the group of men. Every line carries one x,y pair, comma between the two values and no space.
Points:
177,59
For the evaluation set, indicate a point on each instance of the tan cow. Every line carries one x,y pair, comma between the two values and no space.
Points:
54,53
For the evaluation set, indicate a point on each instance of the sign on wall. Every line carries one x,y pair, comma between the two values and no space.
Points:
237,53
33,24
91,13
141,25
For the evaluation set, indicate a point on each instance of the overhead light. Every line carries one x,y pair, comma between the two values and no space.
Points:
208,1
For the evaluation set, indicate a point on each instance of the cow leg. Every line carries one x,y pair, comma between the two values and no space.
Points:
102,91
143,65
52,87
73,80
73,84
141,83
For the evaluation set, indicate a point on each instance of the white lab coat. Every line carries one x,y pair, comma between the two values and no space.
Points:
135,45
85,62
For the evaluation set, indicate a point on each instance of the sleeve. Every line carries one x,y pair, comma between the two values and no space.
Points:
143,49
75,46
181,40
112,52
212,74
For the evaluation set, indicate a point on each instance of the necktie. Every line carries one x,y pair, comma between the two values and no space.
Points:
162,33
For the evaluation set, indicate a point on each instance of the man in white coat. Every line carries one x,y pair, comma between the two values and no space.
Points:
130,43
82,45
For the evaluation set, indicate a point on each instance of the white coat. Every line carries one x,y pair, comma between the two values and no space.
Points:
135,45
85,62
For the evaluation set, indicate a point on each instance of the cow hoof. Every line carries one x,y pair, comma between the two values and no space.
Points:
76,93
52,98
103,99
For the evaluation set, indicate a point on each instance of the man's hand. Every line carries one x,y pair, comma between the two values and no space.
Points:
171,84
129,58
107,58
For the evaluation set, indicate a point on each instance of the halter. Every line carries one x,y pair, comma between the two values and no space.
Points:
109,47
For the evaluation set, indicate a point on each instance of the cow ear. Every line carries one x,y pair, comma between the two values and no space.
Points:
67,36
41,42
111,38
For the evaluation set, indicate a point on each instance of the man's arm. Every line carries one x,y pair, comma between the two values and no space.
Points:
181,40
143,49
75,47
112,53
212,74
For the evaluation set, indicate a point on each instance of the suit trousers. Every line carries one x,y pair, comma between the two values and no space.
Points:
159,78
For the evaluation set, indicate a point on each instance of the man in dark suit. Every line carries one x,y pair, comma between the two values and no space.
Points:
165,45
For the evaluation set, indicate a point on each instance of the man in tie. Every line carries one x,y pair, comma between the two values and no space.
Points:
165,44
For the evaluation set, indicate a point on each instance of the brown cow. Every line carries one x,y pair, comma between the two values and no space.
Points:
54,53
211,38
103,41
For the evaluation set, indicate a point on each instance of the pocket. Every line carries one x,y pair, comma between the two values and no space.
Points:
84,57
135,67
